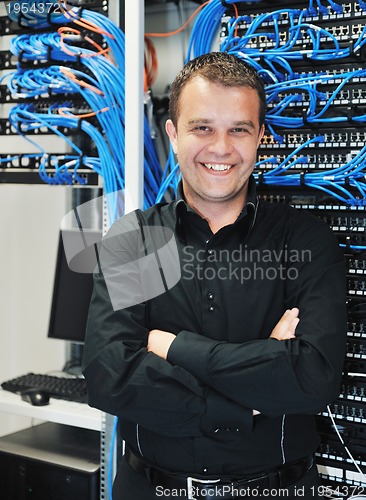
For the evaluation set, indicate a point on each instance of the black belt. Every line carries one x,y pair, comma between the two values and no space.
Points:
220,488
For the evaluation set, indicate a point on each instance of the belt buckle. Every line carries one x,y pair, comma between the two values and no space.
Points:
191,480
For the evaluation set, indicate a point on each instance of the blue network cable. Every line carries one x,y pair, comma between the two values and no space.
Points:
335,182
39,47
100,84
207,25
172,176
288,92
38,82
321,44
281,95
26,120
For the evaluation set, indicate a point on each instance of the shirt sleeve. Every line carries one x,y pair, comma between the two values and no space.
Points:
124,379
299,375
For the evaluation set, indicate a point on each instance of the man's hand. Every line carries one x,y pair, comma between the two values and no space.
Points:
159,342
285,328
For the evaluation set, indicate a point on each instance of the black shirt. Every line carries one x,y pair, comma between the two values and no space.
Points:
194,412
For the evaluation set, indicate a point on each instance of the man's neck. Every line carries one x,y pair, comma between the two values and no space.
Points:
219,214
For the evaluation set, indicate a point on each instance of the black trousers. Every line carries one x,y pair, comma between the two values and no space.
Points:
129,485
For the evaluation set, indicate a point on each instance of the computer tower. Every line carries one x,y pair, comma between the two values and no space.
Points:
50,462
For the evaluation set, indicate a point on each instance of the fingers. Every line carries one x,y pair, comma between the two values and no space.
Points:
285,328
292,322
291,313
291,329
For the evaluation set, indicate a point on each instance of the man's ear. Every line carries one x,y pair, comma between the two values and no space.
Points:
172,134
261,132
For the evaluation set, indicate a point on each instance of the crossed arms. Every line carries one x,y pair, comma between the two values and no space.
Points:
160,341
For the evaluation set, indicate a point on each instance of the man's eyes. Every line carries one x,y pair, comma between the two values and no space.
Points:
236,130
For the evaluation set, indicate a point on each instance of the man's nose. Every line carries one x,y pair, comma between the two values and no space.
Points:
221,144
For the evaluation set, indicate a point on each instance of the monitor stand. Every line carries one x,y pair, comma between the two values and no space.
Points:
73,365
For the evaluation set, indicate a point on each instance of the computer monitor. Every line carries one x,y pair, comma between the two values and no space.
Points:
72,290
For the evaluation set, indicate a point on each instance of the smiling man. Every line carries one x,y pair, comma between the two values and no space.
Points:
216,379
215,130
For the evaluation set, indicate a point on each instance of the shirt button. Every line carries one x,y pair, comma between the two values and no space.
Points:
211,308
210,296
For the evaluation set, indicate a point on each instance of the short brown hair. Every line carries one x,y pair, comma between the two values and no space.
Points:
221,68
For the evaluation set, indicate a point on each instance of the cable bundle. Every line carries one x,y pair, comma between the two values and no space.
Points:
39,47
335,182
38,82
282,96
295,100
208,23
94,47
275,63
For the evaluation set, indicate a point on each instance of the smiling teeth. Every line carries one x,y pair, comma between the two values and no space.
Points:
217,167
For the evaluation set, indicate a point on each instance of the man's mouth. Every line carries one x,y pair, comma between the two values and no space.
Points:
218,167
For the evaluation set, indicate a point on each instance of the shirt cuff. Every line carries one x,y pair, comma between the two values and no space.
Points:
191,351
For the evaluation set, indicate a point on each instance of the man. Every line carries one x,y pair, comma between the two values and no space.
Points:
217,376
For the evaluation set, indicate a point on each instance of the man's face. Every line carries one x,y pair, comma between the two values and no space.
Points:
216,141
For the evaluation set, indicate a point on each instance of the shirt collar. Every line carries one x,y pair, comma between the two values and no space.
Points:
250,208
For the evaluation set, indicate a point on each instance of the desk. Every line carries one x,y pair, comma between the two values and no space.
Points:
58,411
68,413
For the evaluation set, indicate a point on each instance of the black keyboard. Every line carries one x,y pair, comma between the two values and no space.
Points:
68,388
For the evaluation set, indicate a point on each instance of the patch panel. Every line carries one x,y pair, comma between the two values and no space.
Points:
333,447
43,106
342,222
50,98
339,33
15,168
356,264
330,454
345,222
332,460
354,366
312,162
341,140
354,389
342,100
340,478
350,11
350,411
356,348
356,288
303,198
349,96
334,71
356,330
335,30
6,128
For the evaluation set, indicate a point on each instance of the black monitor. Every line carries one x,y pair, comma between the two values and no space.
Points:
73,284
